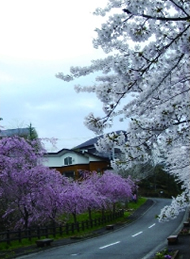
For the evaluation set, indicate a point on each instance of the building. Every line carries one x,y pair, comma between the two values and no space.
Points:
72,163
22,132
27,133
89,146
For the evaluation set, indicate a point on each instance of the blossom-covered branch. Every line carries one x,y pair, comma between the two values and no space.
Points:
144,77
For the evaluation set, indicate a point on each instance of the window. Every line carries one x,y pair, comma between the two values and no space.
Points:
68,160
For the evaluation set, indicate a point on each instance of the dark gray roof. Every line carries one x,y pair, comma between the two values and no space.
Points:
88,143
92,141
15,132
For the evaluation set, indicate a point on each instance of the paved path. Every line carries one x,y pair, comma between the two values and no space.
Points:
134,241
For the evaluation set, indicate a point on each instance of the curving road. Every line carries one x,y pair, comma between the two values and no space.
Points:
138,240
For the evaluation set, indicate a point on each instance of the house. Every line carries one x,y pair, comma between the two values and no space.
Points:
89,146
71,163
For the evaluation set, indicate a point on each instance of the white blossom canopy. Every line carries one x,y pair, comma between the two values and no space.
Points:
148,46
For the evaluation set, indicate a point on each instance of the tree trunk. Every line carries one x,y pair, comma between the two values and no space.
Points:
74,217
103,212
114,206
26,216
90,214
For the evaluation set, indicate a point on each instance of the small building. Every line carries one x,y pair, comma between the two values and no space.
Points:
27,133
71,163
22,132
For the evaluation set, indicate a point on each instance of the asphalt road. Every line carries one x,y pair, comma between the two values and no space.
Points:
138,240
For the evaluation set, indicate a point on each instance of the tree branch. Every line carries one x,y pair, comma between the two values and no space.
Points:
159,18
173,2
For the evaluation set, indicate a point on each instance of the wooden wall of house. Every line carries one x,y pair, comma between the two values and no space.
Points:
98,166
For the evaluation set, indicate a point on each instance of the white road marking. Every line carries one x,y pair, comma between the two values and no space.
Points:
152,225
137,234
102,247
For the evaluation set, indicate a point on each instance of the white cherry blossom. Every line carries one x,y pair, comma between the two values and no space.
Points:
147,70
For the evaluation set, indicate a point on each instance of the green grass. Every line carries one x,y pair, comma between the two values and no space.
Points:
132,206
17,244
84,216
129,209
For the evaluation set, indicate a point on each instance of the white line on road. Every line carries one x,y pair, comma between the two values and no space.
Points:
137,234
102,247
152,225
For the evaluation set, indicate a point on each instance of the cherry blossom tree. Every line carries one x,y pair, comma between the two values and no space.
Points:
144,78
95,192
29,191
115,188
109,188
95,200
81,196
182,173
74,199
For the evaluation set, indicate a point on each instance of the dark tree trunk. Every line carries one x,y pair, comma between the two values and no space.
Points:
26,216
90,214
74,217
114,206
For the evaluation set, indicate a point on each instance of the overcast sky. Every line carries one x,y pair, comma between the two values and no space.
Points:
39,38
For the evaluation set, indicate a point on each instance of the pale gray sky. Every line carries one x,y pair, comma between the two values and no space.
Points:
38,39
